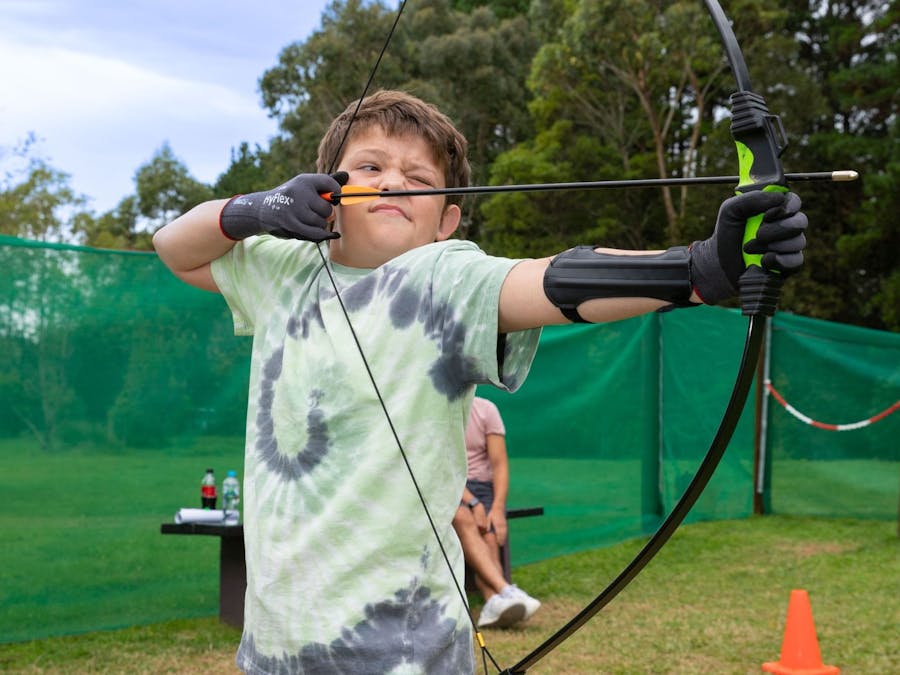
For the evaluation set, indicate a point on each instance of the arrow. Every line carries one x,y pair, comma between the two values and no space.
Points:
355,194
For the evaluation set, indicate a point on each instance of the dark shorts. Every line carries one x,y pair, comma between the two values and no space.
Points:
484,490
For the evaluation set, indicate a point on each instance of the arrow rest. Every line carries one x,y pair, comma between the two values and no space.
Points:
762,135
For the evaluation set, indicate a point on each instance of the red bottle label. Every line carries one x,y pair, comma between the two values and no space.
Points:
208,490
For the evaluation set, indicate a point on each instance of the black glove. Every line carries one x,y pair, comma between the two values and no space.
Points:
717,263
294,210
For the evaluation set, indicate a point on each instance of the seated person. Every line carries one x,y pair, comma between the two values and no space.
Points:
480,520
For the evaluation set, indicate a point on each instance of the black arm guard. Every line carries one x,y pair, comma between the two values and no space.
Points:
580,274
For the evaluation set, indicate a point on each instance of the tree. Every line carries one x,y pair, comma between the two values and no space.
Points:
36,200
119,228
503,9
618,93
626,89
249,171
849,51
165,188
472,66
315,80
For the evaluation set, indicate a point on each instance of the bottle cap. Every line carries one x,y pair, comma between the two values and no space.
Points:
209,471
232,473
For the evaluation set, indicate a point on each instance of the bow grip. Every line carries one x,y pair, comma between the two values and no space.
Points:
760,140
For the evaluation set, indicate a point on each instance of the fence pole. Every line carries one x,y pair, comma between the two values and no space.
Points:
760,425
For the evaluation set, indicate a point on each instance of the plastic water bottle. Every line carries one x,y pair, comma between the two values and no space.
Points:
208,490
231,492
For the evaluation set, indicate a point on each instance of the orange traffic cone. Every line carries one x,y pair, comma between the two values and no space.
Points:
800,647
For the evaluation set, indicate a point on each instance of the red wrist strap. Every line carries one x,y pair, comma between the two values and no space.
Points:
222,229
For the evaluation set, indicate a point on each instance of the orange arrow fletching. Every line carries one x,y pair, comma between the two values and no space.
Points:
346,196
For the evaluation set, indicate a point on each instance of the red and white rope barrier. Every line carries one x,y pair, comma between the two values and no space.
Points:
824,425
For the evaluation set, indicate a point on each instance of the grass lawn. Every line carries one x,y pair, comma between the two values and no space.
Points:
713,601
91,557
82,548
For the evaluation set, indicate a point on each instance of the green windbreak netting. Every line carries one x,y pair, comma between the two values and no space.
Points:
834,375
582,435
120,385
612,422
108,347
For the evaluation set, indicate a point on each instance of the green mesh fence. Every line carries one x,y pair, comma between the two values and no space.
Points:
119,385
833,374
613,421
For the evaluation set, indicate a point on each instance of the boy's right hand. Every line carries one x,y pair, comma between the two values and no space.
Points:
294,210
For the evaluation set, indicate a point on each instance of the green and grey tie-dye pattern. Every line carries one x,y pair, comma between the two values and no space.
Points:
342,566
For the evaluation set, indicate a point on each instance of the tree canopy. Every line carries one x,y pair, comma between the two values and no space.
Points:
567,90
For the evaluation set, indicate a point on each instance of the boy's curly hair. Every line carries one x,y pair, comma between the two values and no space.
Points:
400,114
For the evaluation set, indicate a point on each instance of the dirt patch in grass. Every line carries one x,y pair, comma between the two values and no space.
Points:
807,549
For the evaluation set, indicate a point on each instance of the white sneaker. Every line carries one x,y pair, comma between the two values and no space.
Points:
531,604
501,612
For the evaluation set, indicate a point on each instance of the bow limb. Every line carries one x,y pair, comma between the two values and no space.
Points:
759,139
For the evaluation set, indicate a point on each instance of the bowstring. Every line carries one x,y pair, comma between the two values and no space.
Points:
485,653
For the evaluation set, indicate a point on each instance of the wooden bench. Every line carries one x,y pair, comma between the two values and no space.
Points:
233,567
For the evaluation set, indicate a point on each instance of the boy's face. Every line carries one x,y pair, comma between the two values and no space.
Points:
379,230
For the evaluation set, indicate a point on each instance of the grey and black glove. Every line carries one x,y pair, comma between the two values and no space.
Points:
717,263
294,210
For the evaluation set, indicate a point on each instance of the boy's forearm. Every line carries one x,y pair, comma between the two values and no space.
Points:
524,304
194,239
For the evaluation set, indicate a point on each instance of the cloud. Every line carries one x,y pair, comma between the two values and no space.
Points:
102,117
59,86
104,83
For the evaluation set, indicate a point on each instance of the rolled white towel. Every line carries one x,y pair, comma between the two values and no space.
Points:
210,516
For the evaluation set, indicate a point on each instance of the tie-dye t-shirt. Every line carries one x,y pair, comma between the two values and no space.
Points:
344,574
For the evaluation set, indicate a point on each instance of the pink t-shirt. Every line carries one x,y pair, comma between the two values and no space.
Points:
484,419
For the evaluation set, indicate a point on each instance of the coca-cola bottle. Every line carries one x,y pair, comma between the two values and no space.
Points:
208,490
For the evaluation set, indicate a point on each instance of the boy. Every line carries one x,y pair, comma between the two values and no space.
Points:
344,573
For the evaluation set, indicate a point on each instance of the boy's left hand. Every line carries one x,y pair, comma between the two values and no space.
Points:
717,263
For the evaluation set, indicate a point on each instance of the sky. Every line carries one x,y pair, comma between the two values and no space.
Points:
103,84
